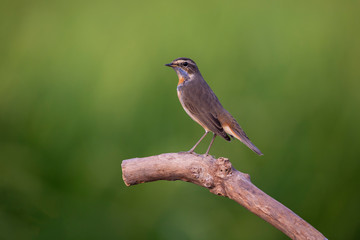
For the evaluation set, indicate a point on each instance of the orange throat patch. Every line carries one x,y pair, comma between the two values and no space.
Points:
181,80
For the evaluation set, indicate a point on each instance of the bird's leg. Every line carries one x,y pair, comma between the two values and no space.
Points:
193,148
212,141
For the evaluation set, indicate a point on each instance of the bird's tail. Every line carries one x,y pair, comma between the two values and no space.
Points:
236,131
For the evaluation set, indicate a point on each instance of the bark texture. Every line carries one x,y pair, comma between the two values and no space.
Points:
222,179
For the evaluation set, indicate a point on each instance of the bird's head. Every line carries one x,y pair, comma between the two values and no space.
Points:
184,67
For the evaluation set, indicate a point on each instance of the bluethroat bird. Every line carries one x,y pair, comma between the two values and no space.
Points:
202,105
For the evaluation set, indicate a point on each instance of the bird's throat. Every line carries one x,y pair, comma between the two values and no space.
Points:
182,74
181,80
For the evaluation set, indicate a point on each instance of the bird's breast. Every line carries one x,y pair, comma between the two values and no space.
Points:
179,92
179,95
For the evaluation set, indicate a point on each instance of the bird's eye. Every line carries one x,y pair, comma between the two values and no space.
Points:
185,64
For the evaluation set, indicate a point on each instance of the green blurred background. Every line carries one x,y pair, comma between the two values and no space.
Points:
83,86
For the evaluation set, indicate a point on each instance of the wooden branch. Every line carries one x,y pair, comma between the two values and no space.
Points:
222,179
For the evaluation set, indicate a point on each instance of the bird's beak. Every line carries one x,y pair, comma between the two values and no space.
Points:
170,65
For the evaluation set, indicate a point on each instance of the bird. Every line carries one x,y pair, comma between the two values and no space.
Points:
202,105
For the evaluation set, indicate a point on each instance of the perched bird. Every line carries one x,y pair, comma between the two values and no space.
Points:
202,105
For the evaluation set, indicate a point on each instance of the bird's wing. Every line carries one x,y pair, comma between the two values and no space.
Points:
201,104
